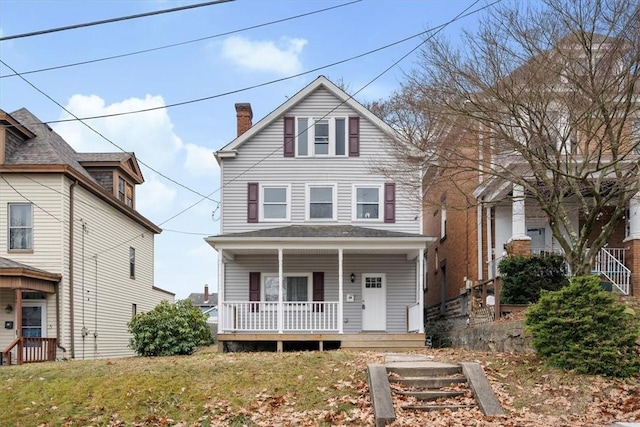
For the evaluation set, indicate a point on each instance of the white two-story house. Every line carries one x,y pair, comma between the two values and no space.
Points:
315,245
76,257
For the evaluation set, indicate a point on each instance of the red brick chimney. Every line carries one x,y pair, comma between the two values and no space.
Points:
206,294
244,115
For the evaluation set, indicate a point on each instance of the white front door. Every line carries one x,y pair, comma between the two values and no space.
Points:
374,302
34,319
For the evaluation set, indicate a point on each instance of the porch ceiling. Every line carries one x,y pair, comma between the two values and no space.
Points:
321,251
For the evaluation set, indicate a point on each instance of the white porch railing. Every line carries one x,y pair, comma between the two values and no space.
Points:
610,262
263,317
414,318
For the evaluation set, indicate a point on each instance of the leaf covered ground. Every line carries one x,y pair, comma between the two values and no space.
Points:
291,389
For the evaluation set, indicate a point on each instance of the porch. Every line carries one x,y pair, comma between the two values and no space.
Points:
363,341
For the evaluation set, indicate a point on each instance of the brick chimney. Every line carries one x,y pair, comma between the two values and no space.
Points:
206,294
244,115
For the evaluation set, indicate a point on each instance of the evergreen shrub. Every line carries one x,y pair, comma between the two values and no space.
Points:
524,277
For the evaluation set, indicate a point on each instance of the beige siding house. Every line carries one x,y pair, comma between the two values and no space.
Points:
76,258
316,245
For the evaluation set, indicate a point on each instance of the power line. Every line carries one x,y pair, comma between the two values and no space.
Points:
91,61
437,29
104,137
111,20
33,203
259,85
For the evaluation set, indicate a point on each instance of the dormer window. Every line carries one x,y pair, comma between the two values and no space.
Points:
125,192
317,137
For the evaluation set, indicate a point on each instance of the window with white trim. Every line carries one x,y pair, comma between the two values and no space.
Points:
274,204
321,202
321,136
367,202
443,217
296,287
20,226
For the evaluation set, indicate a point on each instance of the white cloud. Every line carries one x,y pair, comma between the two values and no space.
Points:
200,161
150,134
154,196
281,58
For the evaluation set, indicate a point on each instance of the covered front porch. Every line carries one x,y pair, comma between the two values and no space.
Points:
25,291
302,283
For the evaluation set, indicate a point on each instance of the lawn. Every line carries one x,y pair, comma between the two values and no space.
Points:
302,388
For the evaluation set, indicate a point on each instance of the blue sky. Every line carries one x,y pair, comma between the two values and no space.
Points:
180,141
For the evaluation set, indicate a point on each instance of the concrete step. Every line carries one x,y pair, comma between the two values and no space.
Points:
424,371
437,407
428,382
430,395
397,344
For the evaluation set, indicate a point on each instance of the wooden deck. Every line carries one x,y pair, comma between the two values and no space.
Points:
384,342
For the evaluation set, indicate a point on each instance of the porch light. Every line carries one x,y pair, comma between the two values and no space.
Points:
8,309
353,277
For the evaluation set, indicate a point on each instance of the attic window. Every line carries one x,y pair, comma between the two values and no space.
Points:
125,192
321,137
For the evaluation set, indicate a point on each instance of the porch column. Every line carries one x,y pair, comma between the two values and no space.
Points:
221,319
340,291
634,217
490,251
421,287
280,298
519,243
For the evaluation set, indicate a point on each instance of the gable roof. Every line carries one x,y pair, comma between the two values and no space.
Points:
229,150
198,299
125,161
43,150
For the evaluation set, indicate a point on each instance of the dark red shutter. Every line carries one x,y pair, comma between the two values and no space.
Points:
389,202
289,137
252,202
254,290
318,290
354,136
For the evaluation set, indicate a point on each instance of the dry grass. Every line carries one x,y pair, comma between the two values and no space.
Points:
302,388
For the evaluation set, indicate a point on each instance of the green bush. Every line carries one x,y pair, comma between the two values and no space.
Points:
582,328
169,329
524,277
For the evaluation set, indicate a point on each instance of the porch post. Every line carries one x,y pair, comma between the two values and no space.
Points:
421,288
221,319
340,292
18,310
634,218
518,229
490,251
280,297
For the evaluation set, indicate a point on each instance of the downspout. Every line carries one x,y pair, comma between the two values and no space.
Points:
71,311
64,350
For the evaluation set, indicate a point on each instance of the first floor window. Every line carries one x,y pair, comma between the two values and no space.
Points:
321,203
132,263
368,202
294,288
20,226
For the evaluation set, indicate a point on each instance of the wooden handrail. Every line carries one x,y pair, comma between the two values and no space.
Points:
31,350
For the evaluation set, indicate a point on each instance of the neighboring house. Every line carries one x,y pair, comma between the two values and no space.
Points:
76,258
315,245
484,219
207,303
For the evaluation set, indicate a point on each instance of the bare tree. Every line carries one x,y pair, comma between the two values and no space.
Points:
543,96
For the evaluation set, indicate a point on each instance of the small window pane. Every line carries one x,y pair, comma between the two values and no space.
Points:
321,131
303,137
321,202
297,289
271,289
368,211
321,194
340,137
275,195
368,203
368,195
275,211
132,263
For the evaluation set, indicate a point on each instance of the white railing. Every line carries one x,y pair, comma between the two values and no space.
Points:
609,262
263,317
414,318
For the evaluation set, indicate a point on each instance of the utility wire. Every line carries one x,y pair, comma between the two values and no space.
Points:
111,20
104,137
437,29
263,84
30,201
123,55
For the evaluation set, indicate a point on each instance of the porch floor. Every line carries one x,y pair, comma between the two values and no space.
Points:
375,341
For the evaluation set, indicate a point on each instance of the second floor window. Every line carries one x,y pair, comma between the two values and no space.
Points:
367,200
132,263
321,202
20,226
321,136
275,202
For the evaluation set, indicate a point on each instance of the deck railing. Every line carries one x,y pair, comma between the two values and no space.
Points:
30,350
264,317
